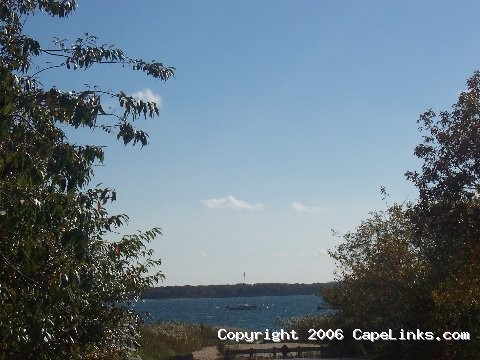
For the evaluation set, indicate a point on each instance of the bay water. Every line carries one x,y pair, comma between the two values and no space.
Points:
267,314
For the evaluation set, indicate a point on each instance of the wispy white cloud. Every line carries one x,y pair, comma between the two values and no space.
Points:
298,207
148,95
301,254
232,203
320,252
282,254
203,253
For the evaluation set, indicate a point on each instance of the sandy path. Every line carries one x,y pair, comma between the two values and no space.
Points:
207,353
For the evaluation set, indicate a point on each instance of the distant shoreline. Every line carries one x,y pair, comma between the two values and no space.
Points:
237,290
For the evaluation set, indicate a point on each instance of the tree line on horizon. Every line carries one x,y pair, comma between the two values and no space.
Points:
236,290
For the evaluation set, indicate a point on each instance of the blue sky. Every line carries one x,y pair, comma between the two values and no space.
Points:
283,121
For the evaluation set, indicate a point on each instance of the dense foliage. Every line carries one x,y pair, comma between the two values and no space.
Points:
62,285
416,266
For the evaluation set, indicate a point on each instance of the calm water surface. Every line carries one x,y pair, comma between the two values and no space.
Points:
213,311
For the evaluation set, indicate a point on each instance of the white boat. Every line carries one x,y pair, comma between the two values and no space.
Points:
242,307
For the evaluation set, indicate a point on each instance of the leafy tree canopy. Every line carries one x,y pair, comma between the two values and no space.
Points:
416,266
62,285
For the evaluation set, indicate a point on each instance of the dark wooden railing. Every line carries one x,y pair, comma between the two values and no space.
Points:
230,353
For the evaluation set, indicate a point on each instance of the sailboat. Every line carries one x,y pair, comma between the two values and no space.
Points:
242,306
